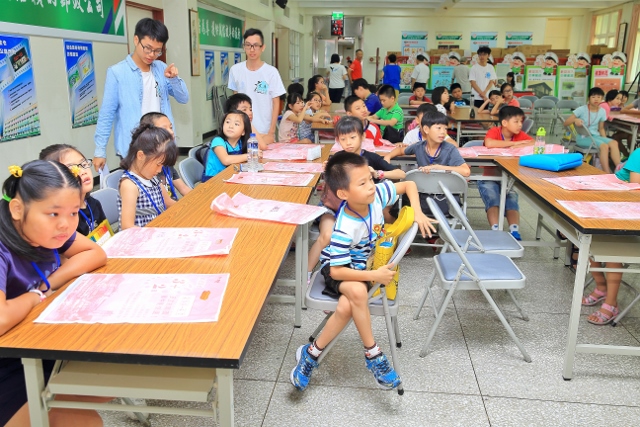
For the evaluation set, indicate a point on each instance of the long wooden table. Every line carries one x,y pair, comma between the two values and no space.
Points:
259,249
461,116
628,123
544,196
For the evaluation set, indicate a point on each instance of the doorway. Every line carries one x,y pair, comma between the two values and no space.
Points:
136,12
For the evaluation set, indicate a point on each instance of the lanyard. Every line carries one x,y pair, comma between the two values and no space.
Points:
140,186
167,175
86,219
432,158
369,225
41,274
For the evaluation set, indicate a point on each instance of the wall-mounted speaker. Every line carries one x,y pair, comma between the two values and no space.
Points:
282,3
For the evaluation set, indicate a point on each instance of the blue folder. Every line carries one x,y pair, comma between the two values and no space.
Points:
552,162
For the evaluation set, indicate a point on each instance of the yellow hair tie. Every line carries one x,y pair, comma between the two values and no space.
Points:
75,170
15,171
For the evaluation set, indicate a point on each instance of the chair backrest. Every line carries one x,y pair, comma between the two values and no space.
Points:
531,98
527,125
444,230
456,211
403,99
108,198
525,103
428,183
113,180
191,171
551,97
474,143
404,243
567,104
544,104
193,151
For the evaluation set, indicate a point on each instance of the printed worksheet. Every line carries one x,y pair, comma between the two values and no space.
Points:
294,167
608,182
156,242
286,179
286,151
139,298
241,206
603,210
470,152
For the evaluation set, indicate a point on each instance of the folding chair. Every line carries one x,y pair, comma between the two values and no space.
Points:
474,143
593,147
531,98
378,305
403,99
191,171
544,111
470,240
194,150
108,198
526,105
113,180
472,272
564,107
551,97
527,125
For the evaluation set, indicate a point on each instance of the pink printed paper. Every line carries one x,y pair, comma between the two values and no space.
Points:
627,118
294,167
286,179
139,298
607,182
467,152
470,152
241,206
286,151
604,210
155,242
368,145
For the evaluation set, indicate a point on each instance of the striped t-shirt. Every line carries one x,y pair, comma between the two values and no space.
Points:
351,244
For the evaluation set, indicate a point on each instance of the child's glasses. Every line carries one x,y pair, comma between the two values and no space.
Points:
84,165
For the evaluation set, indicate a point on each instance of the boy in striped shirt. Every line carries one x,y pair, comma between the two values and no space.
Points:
345,262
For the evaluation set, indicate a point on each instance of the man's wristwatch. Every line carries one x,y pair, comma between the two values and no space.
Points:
40,293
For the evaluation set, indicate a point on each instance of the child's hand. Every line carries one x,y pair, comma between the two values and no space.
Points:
578,122
374,173
259,154
324,164
425,224
401,145
384,274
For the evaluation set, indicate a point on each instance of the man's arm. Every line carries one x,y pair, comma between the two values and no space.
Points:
105,120
176,86
275,112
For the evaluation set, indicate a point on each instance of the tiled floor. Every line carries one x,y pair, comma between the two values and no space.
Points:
473,376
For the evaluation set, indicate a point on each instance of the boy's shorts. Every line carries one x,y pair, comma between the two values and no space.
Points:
490,194
331,286
585,142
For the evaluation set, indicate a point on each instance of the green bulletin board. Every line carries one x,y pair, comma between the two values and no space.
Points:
220,30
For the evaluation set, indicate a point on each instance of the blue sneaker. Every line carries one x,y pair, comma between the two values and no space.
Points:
386,377
516,235
301,374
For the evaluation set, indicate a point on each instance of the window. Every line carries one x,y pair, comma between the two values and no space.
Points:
605,29
294,55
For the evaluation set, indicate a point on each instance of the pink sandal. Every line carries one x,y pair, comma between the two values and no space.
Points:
594,297
604,318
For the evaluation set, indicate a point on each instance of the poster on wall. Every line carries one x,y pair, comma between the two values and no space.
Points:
19,116
237,58
83,95
484,38
539,82
501,73
414,43
571,84
516,62
224,67
441,75
581,62
448,40
518,38
102,20
610,74
405,76
210,72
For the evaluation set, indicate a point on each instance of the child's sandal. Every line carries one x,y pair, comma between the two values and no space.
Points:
594,297
601,318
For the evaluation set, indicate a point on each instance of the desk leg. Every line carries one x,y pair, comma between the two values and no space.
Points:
316,136
458,133
503,200
634,137
302,251
225,397
576,304
34,377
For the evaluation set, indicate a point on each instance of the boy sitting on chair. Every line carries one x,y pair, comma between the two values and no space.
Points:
359,223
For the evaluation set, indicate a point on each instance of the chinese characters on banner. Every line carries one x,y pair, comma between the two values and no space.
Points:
414,43
572,84
19,116
219,30
483,39
210,73
224,66
83,97
518,38
448,40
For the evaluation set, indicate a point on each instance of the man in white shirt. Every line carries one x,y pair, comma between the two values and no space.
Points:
482,77
261,82
420,71
461,73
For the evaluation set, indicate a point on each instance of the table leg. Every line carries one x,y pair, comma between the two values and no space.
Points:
316,136
634,137
302,249
34,378
458,133
225,397
576,304
503,200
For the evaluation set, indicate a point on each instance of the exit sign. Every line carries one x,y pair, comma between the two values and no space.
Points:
337,24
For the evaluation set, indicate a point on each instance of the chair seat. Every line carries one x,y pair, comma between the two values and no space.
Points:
494,271
497,242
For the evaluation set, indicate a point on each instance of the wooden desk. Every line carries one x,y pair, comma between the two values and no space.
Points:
626,123
544,197
221,344
317,127
461,116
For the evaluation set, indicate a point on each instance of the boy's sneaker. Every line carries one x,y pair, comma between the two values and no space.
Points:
516,235
386,377
301,374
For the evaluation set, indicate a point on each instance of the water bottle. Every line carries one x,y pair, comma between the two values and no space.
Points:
538,147
252,153
472,113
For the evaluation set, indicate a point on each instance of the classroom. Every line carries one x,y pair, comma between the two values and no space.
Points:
215,211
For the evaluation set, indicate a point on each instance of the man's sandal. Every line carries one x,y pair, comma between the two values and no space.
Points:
603,318
594,297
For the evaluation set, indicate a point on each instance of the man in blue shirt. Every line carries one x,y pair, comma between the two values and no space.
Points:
142,74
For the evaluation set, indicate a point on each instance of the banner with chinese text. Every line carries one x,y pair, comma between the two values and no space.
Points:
414,43
448,40
219,30
83,96
483,39
518,38
571,84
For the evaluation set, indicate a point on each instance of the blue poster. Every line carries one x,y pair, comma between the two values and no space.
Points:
441,75
83,95
237,58
224,66
210,72
19,116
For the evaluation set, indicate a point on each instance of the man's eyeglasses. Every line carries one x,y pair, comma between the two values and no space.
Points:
148,50
249,46
84,165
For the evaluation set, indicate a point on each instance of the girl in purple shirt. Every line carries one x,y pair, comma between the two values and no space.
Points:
38,221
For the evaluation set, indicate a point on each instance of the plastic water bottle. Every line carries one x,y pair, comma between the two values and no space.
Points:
472,113
538,147
252,153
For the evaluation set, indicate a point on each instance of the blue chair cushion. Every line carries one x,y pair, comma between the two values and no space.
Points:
491,240
487,266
